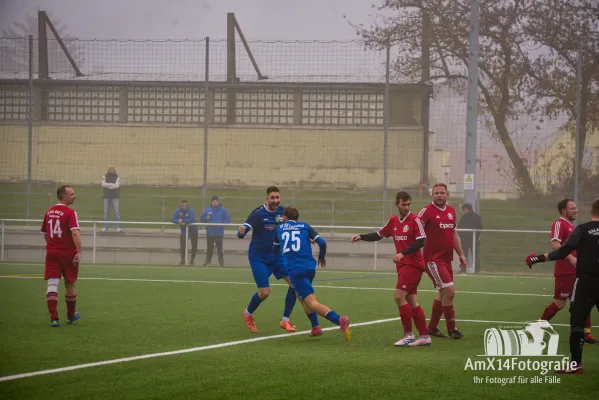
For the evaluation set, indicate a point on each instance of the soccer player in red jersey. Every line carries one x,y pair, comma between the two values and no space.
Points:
565,270
408,235
63,253
439,223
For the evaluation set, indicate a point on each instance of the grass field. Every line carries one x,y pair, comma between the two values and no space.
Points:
130,311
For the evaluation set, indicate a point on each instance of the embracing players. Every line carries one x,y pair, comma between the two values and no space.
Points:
264,263
408,235
63,253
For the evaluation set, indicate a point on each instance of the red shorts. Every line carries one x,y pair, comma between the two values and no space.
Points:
60,263
441,273
564,284
408,278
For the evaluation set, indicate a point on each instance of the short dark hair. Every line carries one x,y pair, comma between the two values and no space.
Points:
441,185
272,189
595,208
562,205
61,191
183,201
467,206
291,213
402,196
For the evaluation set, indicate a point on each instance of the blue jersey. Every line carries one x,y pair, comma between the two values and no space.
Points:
293,238
263,222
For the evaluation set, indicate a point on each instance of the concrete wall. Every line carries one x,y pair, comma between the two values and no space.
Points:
252,156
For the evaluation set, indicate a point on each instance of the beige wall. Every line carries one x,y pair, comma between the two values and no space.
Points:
152,155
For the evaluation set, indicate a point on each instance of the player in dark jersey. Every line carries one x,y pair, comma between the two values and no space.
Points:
293,240
564,271
63,253
408,235
585,240
264,263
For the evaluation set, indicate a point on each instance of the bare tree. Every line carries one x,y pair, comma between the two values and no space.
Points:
555,27
502,78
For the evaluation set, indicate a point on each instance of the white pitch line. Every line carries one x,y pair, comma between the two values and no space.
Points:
276,284
214,346
199,269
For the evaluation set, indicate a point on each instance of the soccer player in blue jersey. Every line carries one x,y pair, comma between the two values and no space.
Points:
264,263
293,241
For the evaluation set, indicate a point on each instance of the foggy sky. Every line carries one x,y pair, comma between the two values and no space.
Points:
196,19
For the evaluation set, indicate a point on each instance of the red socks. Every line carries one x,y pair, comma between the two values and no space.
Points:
449,314
52,300
549,312
419,320
71,301
405,312
435,315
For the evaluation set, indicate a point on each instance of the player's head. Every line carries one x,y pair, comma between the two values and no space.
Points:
595,209
290,214
273,197
403,202
567,209
467,208
440,194
184,205
111,170
65,195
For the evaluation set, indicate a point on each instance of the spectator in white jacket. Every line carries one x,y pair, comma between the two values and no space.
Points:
111,184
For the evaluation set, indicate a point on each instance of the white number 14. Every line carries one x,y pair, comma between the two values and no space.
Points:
55,228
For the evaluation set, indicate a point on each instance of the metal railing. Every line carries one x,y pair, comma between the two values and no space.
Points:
331,228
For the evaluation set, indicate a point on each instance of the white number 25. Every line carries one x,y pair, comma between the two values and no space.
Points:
295,241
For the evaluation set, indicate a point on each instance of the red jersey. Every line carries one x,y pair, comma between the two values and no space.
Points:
560,231
405,232
58,223
439,226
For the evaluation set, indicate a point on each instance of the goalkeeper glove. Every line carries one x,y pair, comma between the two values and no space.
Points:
533,259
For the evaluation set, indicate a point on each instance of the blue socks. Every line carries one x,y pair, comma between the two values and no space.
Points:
313,317
333,317
290,300
254,303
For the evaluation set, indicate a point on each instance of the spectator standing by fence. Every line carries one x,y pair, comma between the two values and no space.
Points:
111,187
215,214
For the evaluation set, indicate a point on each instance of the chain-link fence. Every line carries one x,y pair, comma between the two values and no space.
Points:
330,122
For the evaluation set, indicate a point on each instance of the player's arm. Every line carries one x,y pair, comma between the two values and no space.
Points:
560,253
43,228
386,231
76,235
419,240
252,221
457,246
322,246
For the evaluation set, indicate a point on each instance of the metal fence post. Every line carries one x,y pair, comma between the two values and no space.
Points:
163,206
375,254
186,243
474,249
332,215
94,243
2,245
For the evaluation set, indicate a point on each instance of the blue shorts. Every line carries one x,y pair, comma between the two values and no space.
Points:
301,279
262,269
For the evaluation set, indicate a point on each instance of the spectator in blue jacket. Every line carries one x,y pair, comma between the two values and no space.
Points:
184,216
216,214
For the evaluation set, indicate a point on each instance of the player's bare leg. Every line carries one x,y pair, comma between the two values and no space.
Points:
71,300
405,313
289,303
329,314
316,329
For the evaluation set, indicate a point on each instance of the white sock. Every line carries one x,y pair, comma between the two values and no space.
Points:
285,319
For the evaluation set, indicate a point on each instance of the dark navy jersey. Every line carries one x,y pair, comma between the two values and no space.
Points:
263,222
585,240
294,240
